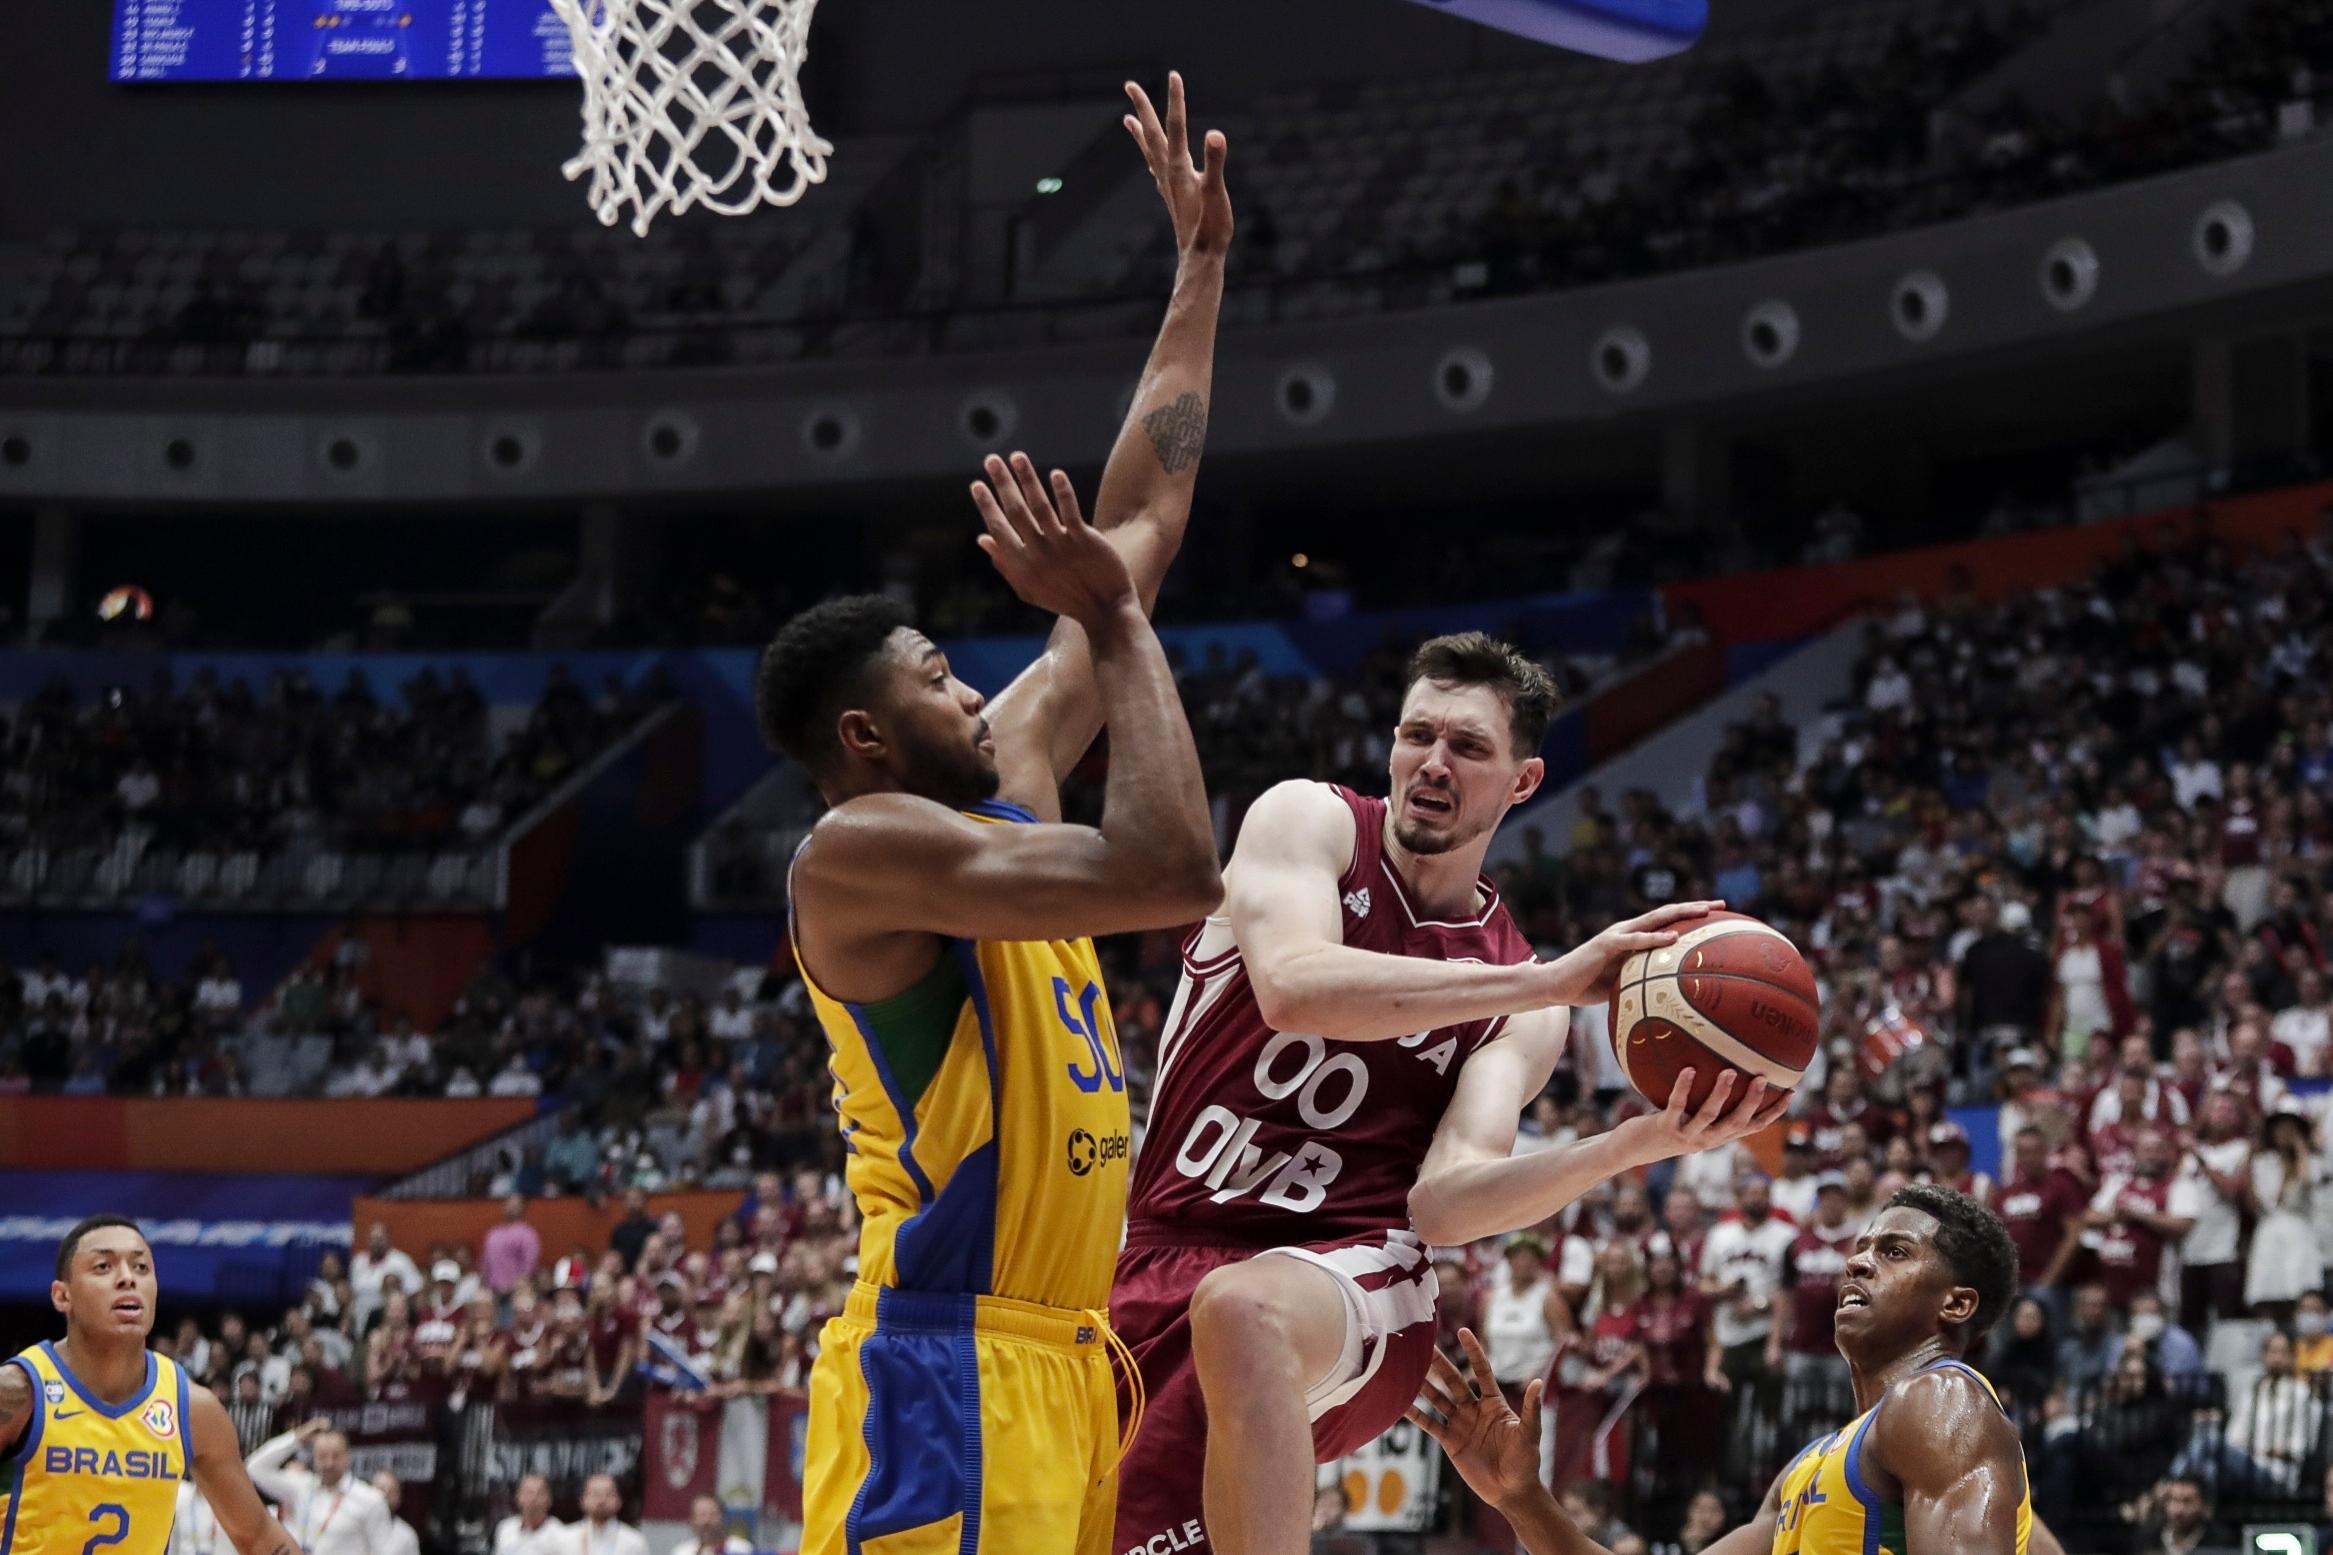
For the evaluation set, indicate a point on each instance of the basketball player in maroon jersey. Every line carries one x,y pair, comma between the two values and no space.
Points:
1356,1035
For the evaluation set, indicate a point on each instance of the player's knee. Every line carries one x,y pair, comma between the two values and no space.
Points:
1241,1322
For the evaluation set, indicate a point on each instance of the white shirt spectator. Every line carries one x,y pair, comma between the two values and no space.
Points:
2191,780
2276,1424
2306,1031
548,1537
362,1078
195,1530
138,789
348,1518
2219,1223
1890,688
1709,1175
219,994
731,1022
612,1537
365,1273
1753,1256
516,1079
480,818
402,1539
2166,1107
461,1083
732,1545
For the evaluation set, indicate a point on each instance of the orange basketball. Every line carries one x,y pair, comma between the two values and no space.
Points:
1732,993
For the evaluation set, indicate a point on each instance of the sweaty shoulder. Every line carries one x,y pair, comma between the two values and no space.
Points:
1936,1420
1298,821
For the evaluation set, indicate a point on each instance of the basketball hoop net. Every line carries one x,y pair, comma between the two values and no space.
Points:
692,102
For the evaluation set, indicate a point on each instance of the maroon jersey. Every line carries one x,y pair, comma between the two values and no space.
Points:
1279,1138
1613,1333
1811,1269
1675,1335
2036,1211
1827,1127
2130,1255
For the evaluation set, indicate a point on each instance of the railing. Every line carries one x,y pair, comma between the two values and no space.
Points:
456,1176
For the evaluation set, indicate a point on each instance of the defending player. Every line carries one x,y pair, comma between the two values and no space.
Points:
1932,1466
964,1400
1354,1041
99,1431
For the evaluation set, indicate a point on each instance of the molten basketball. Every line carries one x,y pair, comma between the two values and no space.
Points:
1732,993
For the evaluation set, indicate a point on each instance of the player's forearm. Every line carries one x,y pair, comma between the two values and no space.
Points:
1349,995
1540,1526
1144,502
1456,1203
1154,801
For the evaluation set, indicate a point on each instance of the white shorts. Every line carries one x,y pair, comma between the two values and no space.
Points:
1388,1286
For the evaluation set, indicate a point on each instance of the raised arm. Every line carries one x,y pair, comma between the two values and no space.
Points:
1049,715
1473,1185
895,864
1281,892
271,1466
219,1475
1957,1457
1496,1451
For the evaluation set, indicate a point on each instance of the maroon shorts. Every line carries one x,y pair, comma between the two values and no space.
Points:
1389,1290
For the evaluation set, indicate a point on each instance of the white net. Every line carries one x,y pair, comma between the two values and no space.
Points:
692,102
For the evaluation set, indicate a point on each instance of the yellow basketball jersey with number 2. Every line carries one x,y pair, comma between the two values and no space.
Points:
91,1478
1829,1507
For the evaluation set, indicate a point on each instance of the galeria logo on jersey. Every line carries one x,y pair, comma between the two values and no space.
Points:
161,1418
1086,1152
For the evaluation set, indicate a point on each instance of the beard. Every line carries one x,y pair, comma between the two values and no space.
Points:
1426,844
953,775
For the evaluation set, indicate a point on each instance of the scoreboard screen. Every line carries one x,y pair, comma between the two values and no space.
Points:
337,40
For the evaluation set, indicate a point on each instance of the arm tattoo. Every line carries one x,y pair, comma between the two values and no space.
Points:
1178,431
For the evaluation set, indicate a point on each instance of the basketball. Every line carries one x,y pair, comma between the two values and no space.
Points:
1732,993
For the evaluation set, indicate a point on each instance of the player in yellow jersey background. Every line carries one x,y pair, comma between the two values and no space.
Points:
97,1432
942,916
1932,1464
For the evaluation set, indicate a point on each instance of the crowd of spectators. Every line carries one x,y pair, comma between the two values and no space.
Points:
1775,160
729,1313
2062,854
219,766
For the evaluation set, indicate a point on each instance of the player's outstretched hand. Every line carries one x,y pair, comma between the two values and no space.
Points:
1495,1450
1729,1112
1587,974
1041,543
1194,195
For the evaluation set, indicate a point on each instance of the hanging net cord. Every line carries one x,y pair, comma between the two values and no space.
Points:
692,102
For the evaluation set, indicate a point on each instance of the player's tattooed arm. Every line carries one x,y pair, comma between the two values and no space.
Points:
15,1404
1046,720
224,1482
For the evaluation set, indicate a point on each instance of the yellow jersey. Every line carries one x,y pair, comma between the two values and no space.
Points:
1829,1508
985,1121
91,1478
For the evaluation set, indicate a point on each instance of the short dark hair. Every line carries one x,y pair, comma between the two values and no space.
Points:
1479,659
1975,1245
72,1243
815,667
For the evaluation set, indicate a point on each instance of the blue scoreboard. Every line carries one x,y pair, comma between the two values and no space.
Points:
337,40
